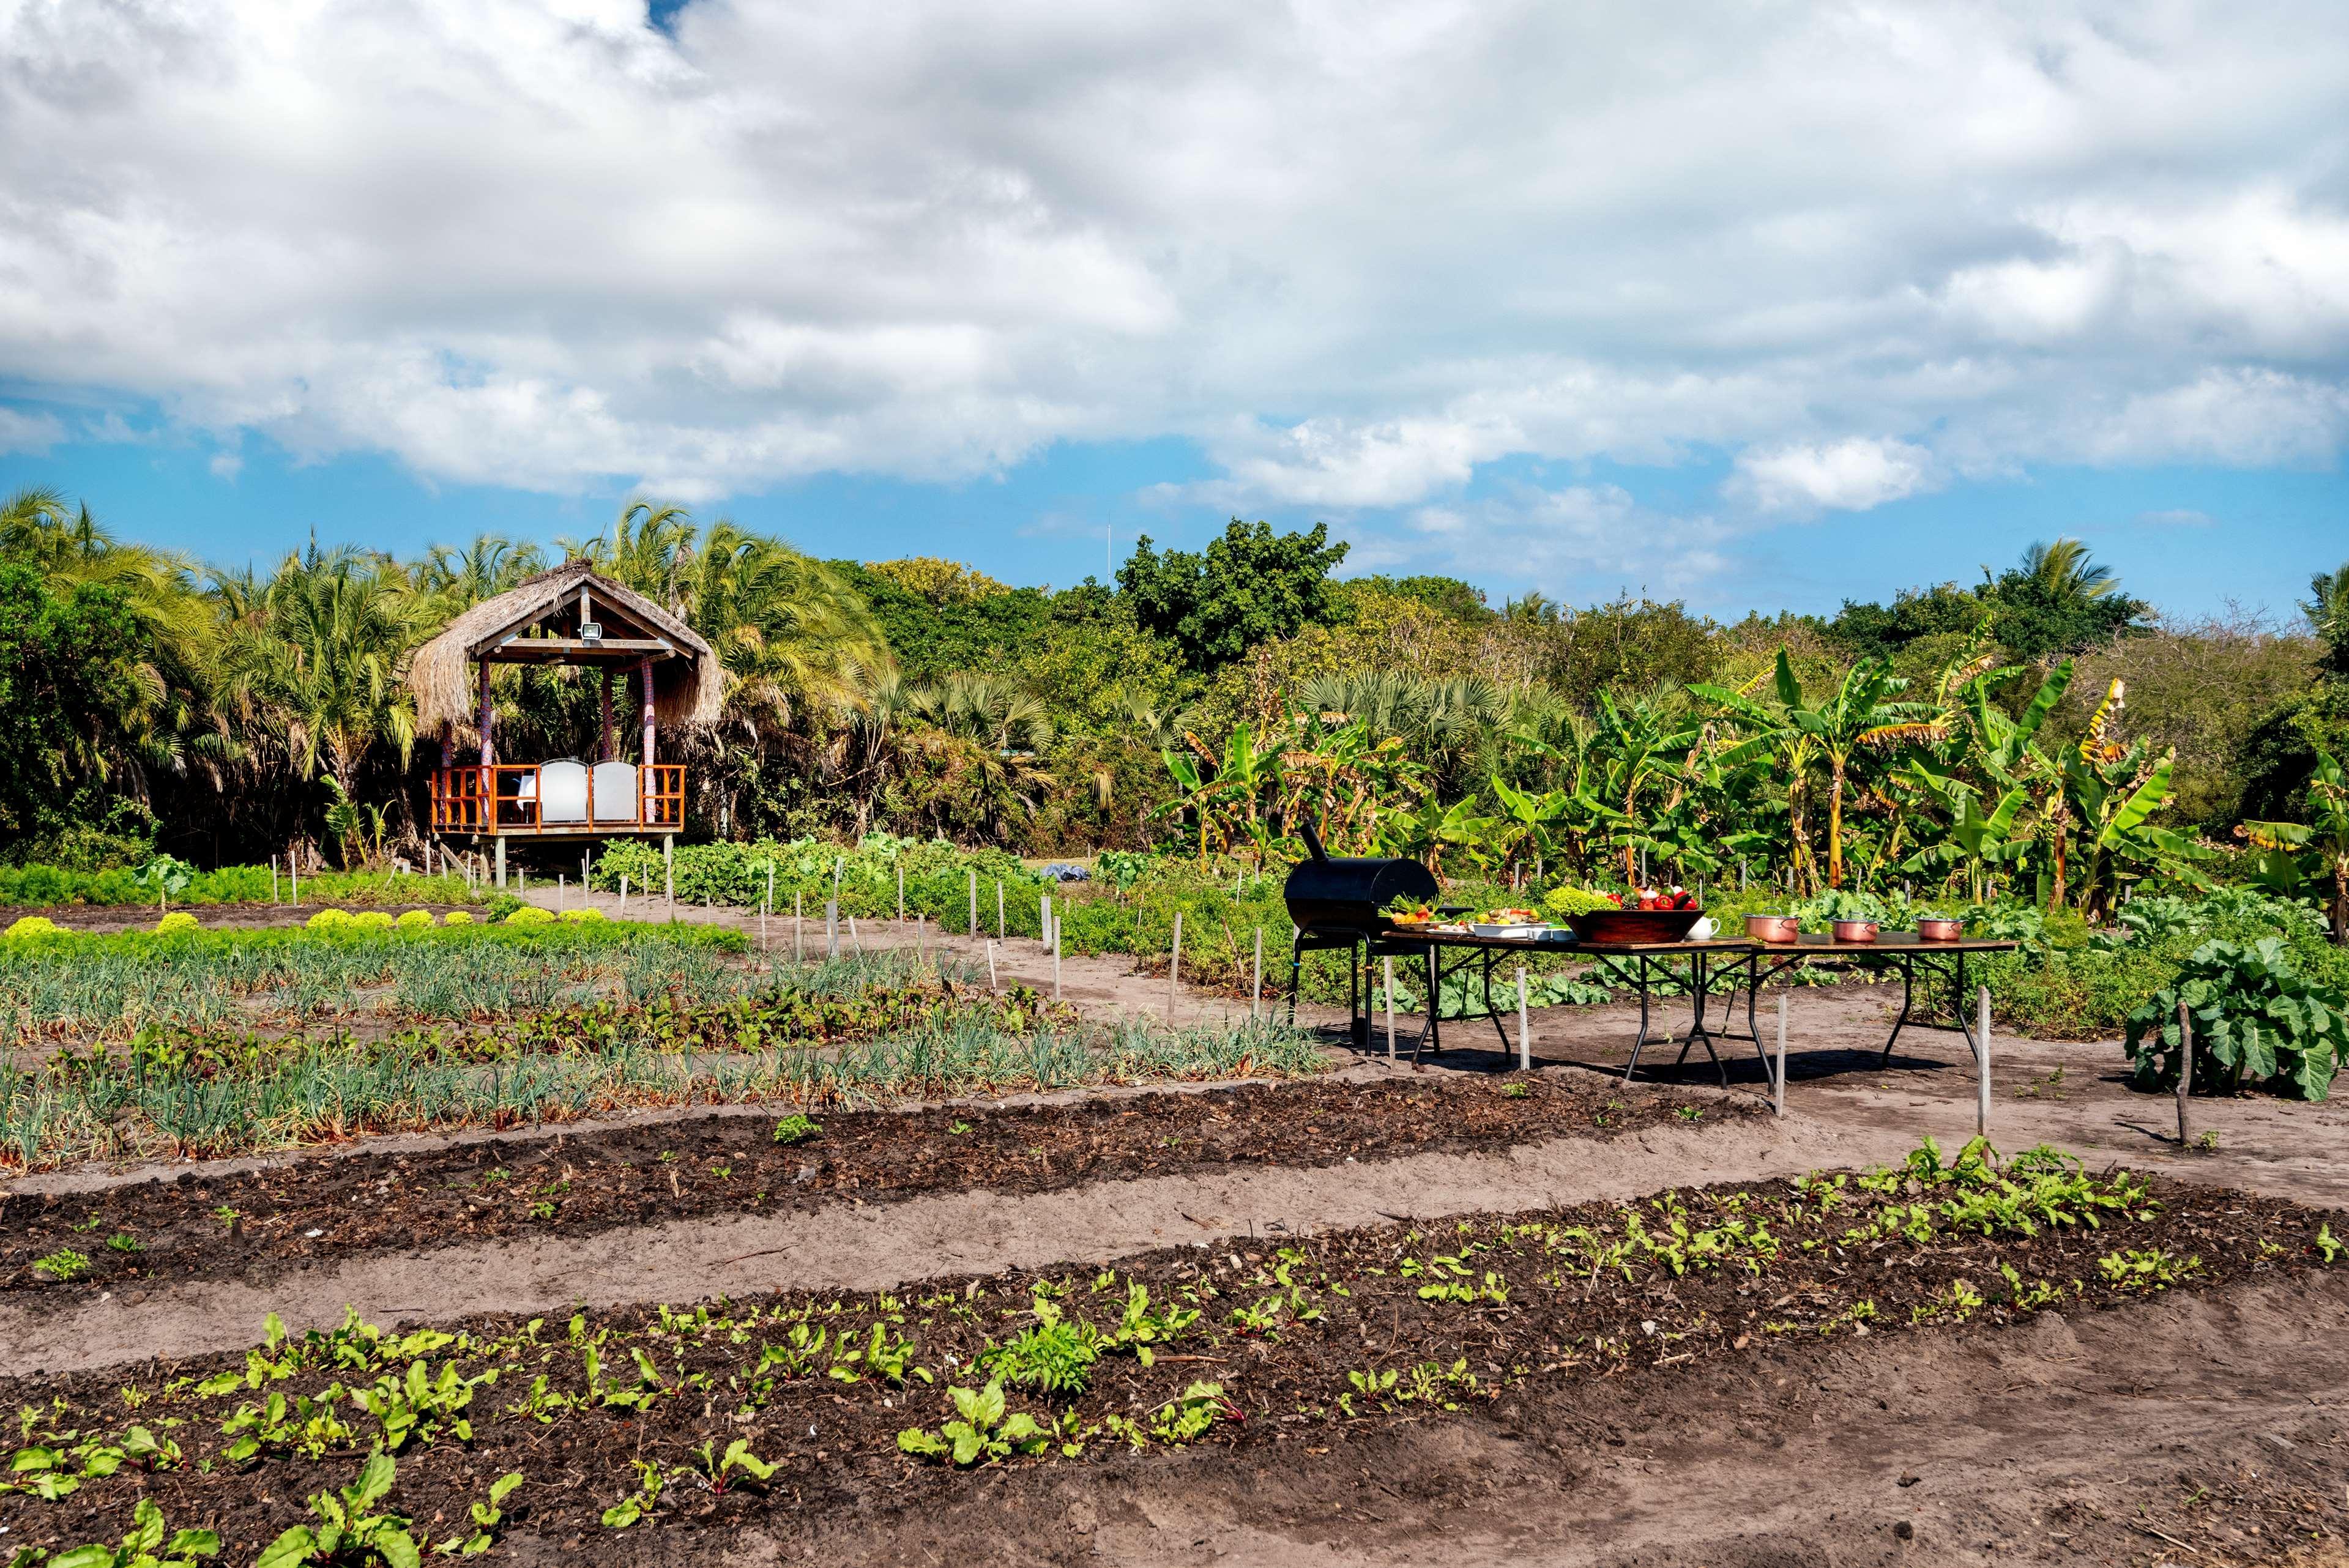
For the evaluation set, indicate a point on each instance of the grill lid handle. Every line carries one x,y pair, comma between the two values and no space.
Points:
1312,841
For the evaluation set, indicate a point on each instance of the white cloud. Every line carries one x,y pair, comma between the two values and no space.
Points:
1359,253
1850,475
2176,517
33,433
225,466
1575,544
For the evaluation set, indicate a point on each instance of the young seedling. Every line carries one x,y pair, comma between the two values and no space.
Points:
345,1531
144,1547
797,1128
62,1265
487,1517
983,1434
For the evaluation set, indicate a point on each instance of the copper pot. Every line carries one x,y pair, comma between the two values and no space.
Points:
1936,929
1854,931
1780,928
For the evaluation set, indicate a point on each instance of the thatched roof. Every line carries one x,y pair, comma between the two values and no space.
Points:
689,684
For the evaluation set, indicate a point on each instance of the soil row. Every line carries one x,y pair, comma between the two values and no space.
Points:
619,1421
255,1224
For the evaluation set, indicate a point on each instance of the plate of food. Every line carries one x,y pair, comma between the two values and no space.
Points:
1510,922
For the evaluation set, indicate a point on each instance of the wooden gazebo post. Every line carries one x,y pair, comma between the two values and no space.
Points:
489,773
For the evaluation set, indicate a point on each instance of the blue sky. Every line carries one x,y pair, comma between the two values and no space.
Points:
1757,307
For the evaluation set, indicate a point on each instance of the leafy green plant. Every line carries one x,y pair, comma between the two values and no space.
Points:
62,1265
145,1546
2255,1019
981,1433
1188,1415
797,1128
1055,1354
639,1503
720,1471
345,1531
486,1516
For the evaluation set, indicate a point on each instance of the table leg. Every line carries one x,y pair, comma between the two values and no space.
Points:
1907,984
1431,1035
1490,1011
1700,980
1640,984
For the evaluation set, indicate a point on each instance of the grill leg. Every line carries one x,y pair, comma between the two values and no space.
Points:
1357,1023
1296,975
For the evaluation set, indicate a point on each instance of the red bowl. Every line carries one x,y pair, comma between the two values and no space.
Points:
1602,926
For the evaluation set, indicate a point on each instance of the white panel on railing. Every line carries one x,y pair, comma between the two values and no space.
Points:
563,792
615,792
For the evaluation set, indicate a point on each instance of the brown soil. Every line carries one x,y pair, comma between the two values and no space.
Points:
1704,1351
857,1246
560,1186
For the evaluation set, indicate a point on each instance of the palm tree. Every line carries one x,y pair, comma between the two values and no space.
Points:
2327,609
455,580
2066,573
317,655
71,549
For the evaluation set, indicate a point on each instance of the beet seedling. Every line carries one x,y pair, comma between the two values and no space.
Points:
718,1470
144,1547
345,1531
983,1434
486,1517
640,1502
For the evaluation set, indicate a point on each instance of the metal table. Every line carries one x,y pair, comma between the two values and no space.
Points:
1940,961
1637,965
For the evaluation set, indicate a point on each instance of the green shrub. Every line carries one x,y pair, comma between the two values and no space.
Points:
33,925
2255,1019
176,923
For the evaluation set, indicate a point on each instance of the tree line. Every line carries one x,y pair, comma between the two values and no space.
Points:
150,702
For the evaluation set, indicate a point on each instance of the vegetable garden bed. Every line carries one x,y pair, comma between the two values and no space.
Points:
785,1410
212,1226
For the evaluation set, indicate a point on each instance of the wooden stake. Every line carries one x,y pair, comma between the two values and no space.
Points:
992,983
856,940
1525,1026
624,898
1778,1073
1044,917
1390,978
1175,966
2185,1068
1255,977
799,927
1982,1030
832,928
272,879
921,939
1056,960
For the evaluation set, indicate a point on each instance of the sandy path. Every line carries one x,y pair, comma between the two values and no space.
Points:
856,1246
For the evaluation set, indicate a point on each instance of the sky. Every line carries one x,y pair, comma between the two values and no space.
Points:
1759,305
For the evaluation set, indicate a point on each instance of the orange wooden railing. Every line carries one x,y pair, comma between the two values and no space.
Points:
507,796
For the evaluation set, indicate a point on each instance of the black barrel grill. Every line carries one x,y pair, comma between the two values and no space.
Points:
1335,901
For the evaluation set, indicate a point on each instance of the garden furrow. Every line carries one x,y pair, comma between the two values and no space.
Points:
853,1245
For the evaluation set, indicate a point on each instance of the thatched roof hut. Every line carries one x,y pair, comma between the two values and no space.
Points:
574,615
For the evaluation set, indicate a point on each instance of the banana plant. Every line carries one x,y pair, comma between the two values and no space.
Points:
2319,847
1633,748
